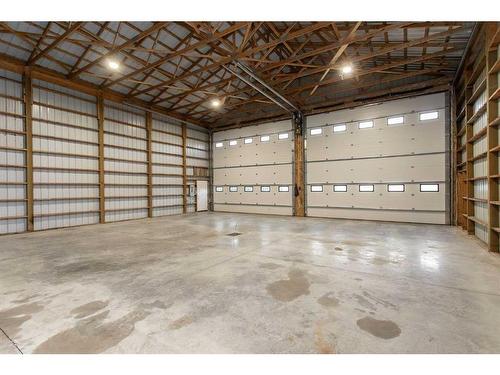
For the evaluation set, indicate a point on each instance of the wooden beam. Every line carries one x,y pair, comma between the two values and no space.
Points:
100,123
299,185
15,65
184,174
180,52
28,112
71,29
155,27
149,135
337,55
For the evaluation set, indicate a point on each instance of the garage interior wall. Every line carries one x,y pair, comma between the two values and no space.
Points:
252,169
380,162
476,96
138,165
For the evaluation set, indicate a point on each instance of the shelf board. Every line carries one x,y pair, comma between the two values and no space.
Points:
495,149
495,68
461,113
478,114
479,200
475,220
478,178
495,40
495,122
496,203
495,95
479,156
477,70
496,229
477,93
480,134
495,176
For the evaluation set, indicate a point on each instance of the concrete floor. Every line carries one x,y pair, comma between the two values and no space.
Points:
285,285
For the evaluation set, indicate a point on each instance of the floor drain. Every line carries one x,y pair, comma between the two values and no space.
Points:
234,234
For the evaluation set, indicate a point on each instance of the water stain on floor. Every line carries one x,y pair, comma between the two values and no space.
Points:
92,335
287,290
328,300
384,329
89,309
323,346
181,322
269,266
12,319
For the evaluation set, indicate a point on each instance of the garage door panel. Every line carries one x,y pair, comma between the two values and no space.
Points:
409,153
401,169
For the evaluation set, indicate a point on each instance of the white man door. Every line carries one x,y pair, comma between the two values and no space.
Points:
201,195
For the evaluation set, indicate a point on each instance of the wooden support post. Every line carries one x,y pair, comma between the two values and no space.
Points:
28,111
454,154
298,165
100,122
184,176
492,134
149,130
469,155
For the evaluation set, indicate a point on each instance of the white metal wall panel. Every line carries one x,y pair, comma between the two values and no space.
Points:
125,165
167,167
65,157
265,162
12,155
404,150
197,159
480,160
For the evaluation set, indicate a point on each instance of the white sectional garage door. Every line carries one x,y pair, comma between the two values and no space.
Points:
380,162
253,169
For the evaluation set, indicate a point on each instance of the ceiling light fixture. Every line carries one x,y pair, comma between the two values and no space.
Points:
347,69
113,65
216,103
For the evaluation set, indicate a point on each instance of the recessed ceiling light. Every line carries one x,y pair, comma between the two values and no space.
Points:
216,102
113,65
346,69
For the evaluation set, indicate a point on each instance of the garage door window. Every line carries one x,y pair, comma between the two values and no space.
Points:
233,143
265,189
340,188
248,189
396,120
219,189
283,189
219,144
365,124
426,116
316,188
366,188
233,189
264,138
283,136
316,131
395,188
248,140
339,128
429,188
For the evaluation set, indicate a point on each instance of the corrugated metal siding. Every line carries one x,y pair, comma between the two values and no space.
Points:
65,157
125,164
197,160
167,168
12,155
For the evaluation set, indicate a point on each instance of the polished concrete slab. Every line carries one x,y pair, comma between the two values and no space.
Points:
240,283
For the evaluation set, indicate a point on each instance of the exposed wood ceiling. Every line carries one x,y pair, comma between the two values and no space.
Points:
181,66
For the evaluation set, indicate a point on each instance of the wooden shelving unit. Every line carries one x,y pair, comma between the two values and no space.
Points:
477,149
